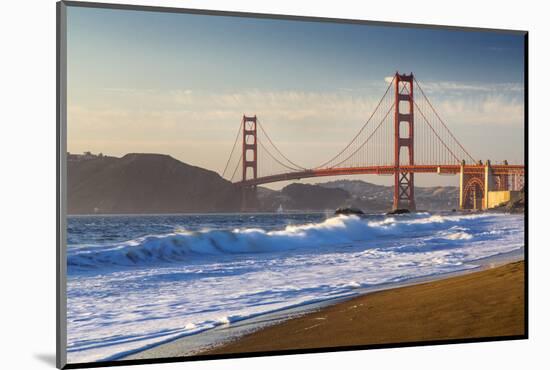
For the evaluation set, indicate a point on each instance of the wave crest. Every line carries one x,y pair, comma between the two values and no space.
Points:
182,245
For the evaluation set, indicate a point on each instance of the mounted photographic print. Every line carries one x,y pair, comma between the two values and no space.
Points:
234,184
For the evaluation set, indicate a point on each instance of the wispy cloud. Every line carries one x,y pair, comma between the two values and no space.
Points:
484,104
491,110
185,123
450,86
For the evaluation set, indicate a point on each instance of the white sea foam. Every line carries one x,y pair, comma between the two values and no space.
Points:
127,296
183,245
458,236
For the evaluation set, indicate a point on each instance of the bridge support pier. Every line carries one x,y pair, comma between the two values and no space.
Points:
482,188
403,196
474,187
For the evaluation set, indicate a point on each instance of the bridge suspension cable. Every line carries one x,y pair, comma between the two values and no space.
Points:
275,159
232,150
361,129
443,123
367,139
294,165
239,163
436,134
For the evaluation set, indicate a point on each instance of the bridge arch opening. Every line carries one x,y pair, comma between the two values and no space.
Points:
474,194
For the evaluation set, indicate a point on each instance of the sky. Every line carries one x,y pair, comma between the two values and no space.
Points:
179,84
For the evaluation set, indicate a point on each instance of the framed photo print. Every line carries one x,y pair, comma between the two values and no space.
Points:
235,184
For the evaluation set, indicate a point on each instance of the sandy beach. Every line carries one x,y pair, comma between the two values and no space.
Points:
486,303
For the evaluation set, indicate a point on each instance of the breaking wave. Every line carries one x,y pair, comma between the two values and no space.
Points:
341,230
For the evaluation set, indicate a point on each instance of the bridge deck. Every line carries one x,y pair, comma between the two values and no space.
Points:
383,170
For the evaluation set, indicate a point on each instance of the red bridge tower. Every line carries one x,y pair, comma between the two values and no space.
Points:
250,160
403,196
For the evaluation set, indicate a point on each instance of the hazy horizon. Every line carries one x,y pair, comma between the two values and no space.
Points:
178,84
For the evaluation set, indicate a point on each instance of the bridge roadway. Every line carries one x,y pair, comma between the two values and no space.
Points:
452,169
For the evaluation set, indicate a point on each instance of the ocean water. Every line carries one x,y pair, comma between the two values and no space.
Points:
137,281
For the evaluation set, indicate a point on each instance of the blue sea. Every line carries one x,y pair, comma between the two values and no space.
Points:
139,280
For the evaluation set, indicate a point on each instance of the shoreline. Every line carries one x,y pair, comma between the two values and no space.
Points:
214,340
484,304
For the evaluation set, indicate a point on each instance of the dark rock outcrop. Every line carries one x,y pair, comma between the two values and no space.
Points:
516,206
348,211
398,211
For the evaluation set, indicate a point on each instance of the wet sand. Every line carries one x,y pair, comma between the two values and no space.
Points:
488,303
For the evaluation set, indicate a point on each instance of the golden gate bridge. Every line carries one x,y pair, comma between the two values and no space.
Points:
403,136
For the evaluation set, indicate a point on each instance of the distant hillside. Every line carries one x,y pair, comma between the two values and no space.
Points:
146,183
302,197
314,197
379,197
367,196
